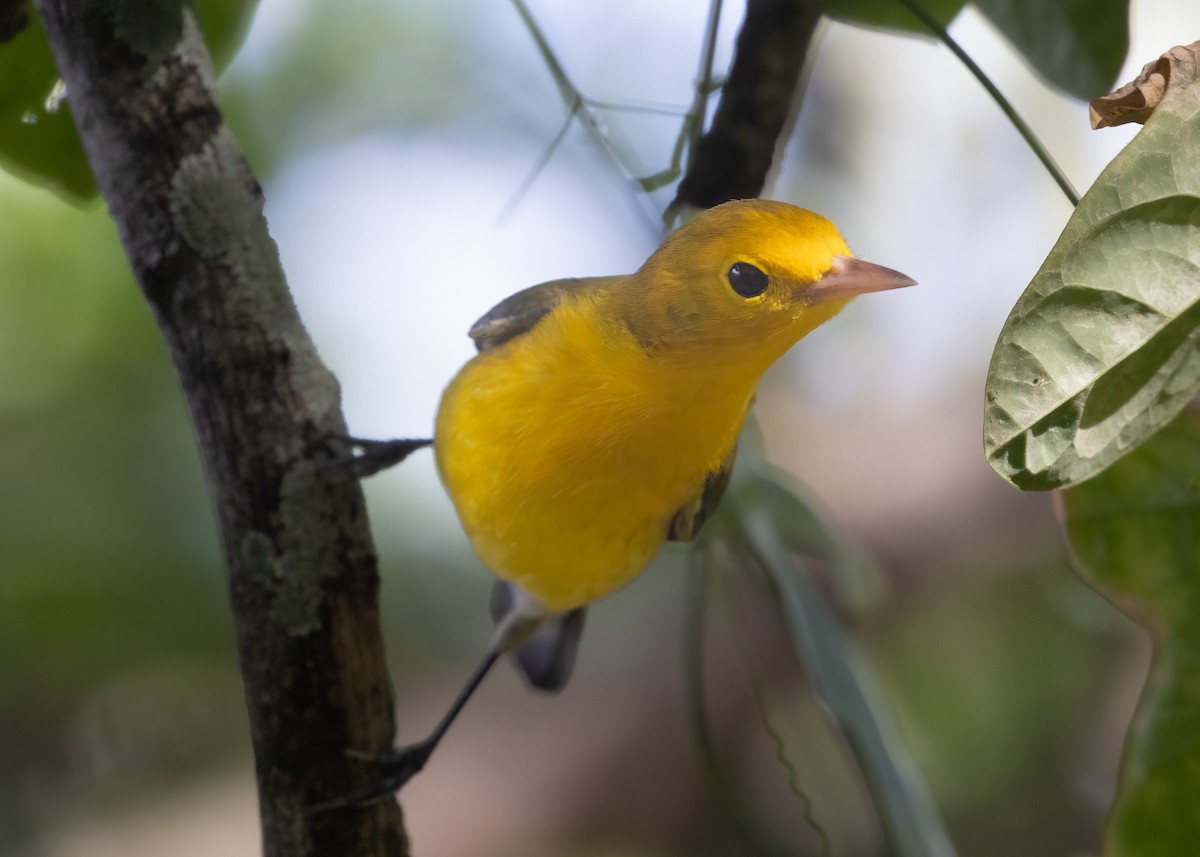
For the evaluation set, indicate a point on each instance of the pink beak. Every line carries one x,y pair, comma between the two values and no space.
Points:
849,277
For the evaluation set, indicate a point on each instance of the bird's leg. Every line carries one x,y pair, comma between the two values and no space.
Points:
379,455
374,455
401,764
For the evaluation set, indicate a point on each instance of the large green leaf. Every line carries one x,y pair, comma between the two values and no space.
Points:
1103,348
890,14
1078,46
38,139
1136,531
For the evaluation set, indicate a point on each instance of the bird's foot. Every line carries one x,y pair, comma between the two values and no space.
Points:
393,768
374,455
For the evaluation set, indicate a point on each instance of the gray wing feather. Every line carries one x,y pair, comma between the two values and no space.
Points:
547,657
518,313
689,519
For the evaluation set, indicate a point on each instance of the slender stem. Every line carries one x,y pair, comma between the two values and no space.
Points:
738,622
567,88
527,182
1022,128
638,106
578,104
726,792
844,683
481,670
403,763
695,121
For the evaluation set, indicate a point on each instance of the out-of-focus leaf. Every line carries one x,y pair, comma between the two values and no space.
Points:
37,134
331,79
731,798
35,141
803,524
804,530
844,684
224,23
1103,348
1136,531
1078,46
889,14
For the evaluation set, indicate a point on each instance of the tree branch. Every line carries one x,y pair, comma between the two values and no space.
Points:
735,155
296,543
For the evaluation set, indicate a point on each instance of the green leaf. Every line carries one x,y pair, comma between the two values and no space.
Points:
225,23
1078,46
35,142
38,141
841,678
730,797
804,529
1136,531
1103,348
889,14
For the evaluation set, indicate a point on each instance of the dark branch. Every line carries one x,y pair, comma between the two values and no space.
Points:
302,571
735,155
14,16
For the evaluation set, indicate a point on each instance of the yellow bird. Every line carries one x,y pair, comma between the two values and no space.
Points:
601,416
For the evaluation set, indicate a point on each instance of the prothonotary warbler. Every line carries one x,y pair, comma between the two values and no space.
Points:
601,416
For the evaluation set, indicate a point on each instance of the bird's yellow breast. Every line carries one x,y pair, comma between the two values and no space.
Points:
568,450
599,405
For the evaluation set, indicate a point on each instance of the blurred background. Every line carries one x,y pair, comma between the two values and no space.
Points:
392,139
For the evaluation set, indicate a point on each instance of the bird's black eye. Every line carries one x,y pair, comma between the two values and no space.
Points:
747,280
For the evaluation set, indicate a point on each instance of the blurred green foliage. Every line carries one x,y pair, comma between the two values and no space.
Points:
889,14
37,134
117,667
999,684
110,562
1076,46
336,77
1136,530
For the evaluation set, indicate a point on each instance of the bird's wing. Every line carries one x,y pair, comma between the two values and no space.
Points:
518,313
546,658
687,521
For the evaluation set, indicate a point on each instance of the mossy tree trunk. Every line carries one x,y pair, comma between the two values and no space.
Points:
301,566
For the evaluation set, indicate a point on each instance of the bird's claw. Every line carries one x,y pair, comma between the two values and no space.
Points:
395,768
374,455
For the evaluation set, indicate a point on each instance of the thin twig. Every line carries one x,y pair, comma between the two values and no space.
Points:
726,792
578,104
532,176
758,692
695,117
1023,129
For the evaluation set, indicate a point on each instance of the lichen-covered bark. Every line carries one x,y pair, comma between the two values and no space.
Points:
302,571
736,154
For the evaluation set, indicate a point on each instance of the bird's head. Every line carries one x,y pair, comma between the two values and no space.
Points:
745,280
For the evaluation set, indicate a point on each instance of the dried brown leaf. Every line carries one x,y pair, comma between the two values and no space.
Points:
1135,101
